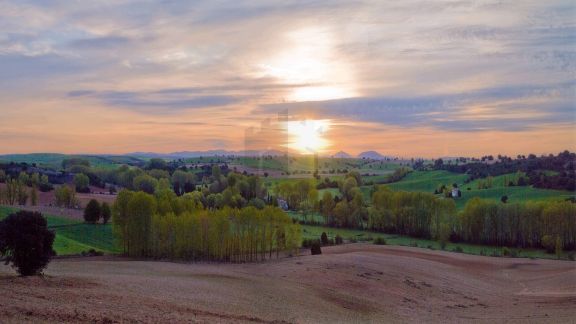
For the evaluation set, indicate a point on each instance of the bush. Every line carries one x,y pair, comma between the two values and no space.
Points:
92,212
339,240
548,243
92,252
315,248
457,249
443,245
505,251
26,242
324,238
380,241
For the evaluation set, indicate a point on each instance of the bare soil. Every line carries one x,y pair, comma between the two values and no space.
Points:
350,283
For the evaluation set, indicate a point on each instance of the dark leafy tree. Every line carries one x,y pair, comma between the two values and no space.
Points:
26,242
324,238
315,248
92,212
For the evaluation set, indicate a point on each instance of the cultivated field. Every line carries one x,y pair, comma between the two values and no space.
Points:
350,283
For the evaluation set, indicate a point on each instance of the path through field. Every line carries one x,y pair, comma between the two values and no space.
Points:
350,283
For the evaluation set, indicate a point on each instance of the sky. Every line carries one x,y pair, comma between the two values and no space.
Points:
405,78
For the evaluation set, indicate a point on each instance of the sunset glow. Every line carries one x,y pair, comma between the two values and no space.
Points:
411,72
308,136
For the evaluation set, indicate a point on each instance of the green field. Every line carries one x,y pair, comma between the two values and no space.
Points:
428,181
74,237
54,160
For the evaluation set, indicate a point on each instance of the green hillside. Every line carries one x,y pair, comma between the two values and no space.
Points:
74,237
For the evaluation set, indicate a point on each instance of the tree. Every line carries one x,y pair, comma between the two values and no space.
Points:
145,183
156,163
65,197
26,242
324,238
22,193
34,196
315,248
92,212
82,182
558,247
105,212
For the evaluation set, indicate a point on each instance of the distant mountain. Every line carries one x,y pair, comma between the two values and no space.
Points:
342,155
371,155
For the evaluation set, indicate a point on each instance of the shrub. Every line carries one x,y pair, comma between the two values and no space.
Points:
315,248
339,240
558,247
548,243
505,251
92,252
443,245
26,242
92,212
380,241
324,238
457,249
413,244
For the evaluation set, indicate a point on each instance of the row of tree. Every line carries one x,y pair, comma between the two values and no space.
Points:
148,226
17,193
526,224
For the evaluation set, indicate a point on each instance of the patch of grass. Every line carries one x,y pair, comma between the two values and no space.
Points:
73,237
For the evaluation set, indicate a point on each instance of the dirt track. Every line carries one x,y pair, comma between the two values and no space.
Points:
351,283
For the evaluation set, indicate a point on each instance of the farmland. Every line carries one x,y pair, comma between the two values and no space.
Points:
350,283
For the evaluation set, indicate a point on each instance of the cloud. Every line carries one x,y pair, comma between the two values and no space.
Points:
450,66
156,102
512,108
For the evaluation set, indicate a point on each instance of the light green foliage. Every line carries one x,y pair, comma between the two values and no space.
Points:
185,231
159,174
145,183
519,224
33,196
81,182
65,197
412,213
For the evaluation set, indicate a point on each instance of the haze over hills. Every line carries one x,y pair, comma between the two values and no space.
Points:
372,155
342,155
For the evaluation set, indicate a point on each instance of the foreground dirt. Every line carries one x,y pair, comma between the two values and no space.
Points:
351,283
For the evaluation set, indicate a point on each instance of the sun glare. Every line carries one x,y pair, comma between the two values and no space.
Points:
308,136
310,61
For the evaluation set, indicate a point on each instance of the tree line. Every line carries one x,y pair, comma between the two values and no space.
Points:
166,226
525,224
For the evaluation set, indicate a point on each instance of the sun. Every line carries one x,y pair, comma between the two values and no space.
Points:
308,136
